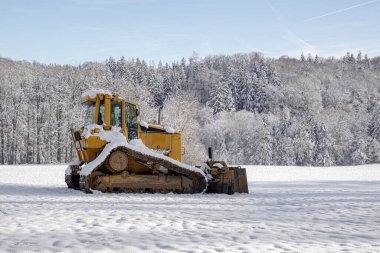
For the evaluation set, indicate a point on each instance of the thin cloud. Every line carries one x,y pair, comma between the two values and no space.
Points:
304,46
290,35
341,10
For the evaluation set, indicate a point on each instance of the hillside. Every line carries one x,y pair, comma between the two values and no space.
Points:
250,109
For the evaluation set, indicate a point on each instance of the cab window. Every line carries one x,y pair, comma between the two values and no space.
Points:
101,114
131,120
116,114
90,111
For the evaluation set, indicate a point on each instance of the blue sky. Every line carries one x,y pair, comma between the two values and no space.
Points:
76,31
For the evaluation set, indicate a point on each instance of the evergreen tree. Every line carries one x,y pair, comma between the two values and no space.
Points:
352,59
322,145
359,57
220,95
367,62
316,59
346,58
374,151
121,69
112,66
303,59
374,127
309,58
358,152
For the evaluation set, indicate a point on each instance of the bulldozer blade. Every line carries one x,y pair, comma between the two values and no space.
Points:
229,181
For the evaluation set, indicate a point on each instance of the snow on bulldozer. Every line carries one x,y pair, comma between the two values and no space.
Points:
118,152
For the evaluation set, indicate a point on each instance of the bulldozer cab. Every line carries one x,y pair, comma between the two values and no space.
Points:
111,111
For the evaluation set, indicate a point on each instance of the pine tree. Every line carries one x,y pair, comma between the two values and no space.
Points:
248,92
309,58
346,58
121,69
220,95
272,77
367,62
358,152
316,59
252,94
359,57
374,151
112,66
264,145
233,79
284,153
352,59
156,87
374,127
304,146
303,59
322,145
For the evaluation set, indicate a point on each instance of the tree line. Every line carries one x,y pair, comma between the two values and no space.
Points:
251,109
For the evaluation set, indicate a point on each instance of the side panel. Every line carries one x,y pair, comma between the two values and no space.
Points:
163,142
91,148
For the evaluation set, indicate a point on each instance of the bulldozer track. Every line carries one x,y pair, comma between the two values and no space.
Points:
198,178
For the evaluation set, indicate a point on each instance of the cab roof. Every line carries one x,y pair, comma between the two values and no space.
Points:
92,94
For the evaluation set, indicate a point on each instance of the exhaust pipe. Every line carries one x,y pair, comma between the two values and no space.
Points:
209,153
159,114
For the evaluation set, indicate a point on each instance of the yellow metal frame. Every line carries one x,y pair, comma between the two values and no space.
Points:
158,139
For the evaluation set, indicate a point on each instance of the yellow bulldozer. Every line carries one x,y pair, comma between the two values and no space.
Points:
119,152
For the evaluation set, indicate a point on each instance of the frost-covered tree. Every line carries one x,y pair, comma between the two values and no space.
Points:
359,57
358,152
373,151
367,62
309,58
374,127
316,59
322,146
303,59
304,147
220,95
181,113
262,143
284,153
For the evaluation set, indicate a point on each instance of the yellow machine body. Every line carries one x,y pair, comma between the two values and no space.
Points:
154,137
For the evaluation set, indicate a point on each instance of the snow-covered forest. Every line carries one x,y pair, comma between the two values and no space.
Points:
250,109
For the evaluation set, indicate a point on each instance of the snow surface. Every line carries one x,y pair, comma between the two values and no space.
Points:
169,130
144,124
110,135
289,209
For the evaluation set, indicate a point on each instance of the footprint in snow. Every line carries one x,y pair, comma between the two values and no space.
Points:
57,244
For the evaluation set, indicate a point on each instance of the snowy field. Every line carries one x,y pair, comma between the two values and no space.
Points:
288,209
